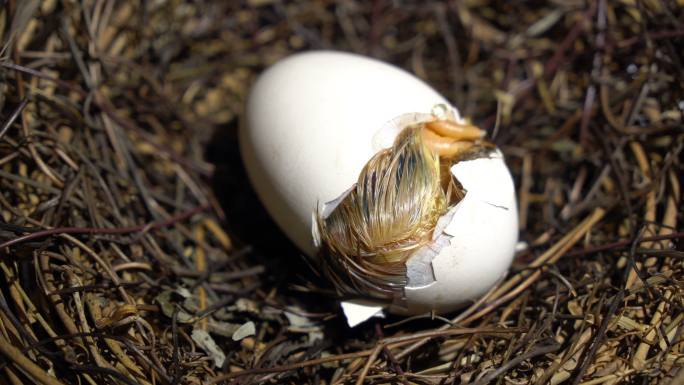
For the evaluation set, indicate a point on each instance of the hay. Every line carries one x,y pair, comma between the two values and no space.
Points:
118,158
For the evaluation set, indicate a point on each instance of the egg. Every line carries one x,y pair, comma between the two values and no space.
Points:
317,128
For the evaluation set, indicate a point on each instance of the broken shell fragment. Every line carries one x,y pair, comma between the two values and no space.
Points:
376,178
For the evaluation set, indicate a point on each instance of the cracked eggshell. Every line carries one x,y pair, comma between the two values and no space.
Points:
313,120
483,233
310,122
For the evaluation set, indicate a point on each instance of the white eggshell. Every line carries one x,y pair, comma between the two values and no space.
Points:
313,120
484,231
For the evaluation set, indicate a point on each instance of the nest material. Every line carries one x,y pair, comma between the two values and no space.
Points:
115,266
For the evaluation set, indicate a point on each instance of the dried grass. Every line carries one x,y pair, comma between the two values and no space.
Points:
117,136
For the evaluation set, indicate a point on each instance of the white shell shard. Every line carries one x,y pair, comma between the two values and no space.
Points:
419,270
359,311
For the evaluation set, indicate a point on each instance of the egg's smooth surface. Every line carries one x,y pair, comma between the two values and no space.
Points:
312,121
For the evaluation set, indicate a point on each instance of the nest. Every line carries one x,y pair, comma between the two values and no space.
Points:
133,250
